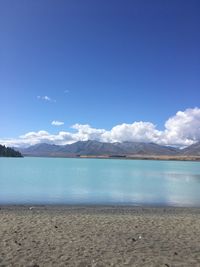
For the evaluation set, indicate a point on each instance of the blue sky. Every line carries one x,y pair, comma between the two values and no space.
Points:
120,62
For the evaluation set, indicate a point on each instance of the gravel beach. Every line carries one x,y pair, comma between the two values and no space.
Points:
99,236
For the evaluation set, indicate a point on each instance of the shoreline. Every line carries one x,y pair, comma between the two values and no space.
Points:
98,207
135,157
98,235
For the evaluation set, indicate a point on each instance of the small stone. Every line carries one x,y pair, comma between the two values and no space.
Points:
56,226
18,243
175,253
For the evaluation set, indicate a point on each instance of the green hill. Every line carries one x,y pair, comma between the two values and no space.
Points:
9,152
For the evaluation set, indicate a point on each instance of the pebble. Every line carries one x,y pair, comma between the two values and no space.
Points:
18,243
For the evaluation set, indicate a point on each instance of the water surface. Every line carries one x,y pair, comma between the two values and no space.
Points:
99,181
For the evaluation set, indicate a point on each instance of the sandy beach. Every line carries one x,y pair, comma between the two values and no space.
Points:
99,236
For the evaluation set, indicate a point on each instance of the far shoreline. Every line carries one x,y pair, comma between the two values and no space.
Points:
123,157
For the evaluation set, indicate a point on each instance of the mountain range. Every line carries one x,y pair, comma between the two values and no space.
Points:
96,148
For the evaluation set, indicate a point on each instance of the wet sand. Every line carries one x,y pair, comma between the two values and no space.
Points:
99,236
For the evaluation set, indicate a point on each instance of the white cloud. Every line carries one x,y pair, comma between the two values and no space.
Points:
57,123
137,131
182,129
46,98
86,132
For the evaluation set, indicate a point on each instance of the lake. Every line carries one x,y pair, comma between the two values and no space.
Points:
99,181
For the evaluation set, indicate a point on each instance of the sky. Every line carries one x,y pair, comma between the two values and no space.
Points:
109,70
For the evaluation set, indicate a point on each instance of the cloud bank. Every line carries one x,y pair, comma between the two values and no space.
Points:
182,129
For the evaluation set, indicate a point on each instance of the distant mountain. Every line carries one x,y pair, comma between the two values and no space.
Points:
125,148
141,148
9,152
42,149
193,150
95,148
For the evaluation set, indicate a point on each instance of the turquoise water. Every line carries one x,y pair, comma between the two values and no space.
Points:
99,181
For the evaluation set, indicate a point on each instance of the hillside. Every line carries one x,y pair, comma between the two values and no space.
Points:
95,148
9,152
193,150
